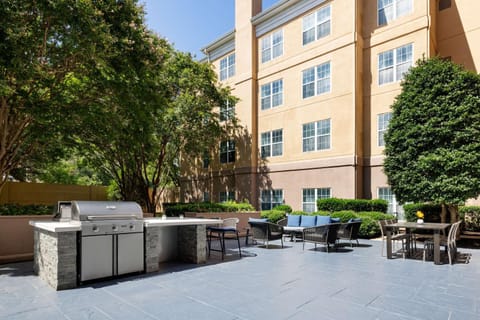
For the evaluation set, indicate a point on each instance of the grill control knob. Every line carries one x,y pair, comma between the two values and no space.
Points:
132,227
114,228
95,229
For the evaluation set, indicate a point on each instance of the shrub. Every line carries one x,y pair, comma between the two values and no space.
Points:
344,215
431,211
357,205
172,210
300,213
283,207
19,210
273,215
471,218
370,227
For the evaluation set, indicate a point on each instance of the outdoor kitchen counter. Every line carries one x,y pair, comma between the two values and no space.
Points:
170,239
56,226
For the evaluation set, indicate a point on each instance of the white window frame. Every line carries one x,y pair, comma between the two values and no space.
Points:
227,111
271,46
394,8
271,143
315,194
267,198
227,67
321,80
383,119
271,94
401,61
227,148
224,196
315,22
317,136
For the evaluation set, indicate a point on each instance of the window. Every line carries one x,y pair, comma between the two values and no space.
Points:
206,160
316,80
316,25
310,197
272,46
206,196
386,193
271,94
227,196
227,151
316,135
389,10
272,143
271,198
394,63
383,120
227,111
227,67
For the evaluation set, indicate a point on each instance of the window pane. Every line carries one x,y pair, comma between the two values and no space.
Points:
308,137
308,81
309,29
404,7
323,29
323,193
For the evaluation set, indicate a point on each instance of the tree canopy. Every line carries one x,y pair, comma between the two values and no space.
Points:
433,140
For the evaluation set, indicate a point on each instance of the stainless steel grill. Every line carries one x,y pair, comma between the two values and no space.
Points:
111,240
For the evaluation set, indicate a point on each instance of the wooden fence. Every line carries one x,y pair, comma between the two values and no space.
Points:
48,194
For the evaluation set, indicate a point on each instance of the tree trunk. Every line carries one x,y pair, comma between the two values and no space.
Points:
443,215
453,209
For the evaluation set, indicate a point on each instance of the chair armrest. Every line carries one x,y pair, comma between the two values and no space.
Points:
275,227
282,222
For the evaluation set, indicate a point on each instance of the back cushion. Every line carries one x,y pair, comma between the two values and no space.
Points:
293,220
308,221
321,220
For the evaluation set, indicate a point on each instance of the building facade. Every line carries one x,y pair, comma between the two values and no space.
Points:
315,81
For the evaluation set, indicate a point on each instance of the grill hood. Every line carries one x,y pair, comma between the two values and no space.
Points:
105,210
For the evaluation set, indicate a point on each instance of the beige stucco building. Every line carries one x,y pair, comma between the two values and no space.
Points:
316,80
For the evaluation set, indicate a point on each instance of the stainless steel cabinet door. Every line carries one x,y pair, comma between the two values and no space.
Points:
130,253
97,257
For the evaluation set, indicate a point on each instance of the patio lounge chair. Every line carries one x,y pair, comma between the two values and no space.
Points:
266,231
325,234
349,231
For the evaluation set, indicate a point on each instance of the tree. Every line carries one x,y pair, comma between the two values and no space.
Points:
158,104
433,140
45,46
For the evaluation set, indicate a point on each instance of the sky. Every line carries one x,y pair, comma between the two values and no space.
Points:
190,25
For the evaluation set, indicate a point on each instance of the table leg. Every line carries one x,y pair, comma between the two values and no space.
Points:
436,247
389,244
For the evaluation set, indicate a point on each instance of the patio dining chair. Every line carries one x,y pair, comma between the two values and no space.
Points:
228,229
449,242
403,238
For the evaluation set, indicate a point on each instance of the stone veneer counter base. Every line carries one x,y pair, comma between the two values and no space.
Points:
55,246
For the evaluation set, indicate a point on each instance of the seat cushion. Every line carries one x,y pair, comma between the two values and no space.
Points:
355,220
308,221
293,220
257,220
292,229
322,220
335,220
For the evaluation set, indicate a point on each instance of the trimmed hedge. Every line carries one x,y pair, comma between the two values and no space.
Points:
471,218
176,209
273,215
23,210
357,205
283,207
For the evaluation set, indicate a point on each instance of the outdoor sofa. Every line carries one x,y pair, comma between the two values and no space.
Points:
293,225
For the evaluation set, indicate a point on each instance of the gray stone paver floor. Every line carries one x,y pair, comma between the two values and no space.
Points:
273,283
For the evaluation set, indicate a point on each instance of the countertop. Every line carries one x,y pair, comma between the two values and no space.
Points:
57,226
68,226
159,222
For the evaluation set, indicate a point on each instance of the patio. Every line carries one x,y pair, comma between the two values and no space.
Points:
276,283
